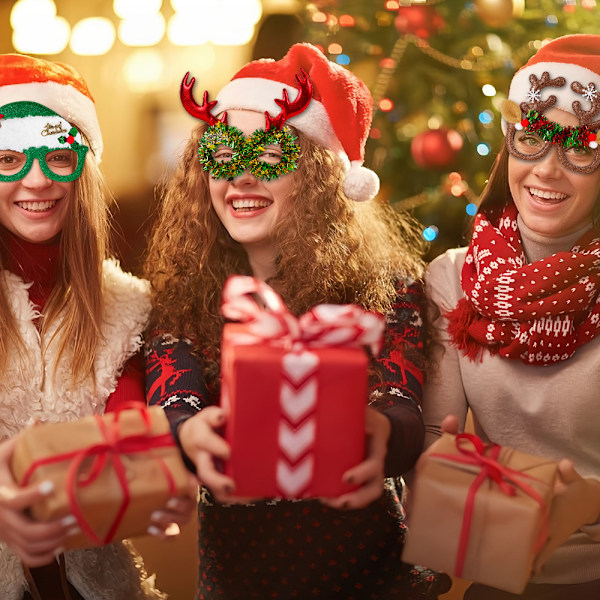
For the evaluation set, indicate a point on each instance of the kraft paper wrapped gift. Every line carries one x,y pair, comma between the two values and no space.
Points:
295,391
479,511
111,472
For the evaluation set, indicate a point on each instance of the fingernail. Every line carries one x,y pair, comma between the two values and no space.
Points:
59,551
172,530
157,515
46,487
68,521
173,503
74,531
154,530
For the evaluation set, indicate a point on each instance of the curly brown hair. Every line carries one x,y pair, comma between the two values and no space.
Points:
330,249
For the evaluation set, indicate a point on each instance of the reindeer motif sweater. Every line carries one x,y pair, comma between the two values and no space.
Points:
303,549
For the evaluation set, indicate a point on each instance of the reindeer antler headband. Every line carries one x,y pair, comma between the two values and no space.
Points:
577,146
226,153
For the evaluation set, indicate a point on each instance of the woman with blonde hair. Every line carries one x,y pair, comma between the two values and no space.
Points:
70,322
278,203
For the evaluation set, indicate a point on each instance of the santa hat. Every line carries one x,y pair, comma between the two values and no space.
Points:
574,57
56,86
338,116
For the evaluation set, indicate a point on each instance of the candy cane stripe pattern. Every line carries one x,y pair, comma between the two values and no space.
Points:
298,402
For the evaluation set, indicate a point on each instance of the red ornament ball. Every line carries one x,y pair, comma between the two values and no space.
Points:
421,21
70,139
436,148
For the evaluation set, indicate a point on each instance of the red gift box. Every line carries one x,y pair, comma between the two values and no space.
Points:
295,391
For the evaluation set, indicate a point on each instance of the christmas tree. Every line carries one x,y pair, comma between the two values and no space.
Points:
438,71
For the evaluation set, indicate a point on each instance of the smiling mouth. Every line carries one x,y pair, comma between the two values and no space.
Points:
248,205
37,206
546,196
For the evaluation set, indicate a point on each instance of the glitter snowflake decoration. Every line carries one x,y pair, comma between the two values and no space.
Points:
533,96
590,93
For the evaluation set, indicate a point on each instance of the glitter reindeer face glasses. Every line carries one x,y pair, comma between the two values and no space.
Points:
267,154
532,137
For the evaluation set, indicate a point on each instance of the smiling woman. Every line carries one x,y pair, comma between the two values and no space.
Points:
70,324
278,197
518,311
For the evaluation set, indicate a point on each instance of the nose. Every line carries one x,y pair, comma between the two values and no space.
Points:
35,179
549,166
245,179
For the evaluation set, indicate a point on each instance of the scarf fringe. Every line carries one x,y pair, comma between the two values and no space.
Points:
460,320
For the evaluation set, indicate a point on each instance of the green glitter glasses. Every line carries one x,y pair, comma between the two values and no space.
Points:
226,153
64,164
267,154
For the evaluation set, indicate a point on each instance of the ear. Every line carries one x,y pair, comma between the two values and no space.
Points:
510,111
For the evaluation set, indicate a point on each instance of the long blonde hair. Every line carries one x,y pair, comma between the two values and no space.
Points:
330,249
77,295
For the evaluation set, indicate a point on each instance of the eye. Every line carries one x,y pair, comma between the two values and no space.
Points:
59,157
11,161
223,154
271,154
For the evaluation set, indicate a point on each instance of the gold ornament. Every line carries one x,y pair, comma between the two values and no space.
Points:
498,13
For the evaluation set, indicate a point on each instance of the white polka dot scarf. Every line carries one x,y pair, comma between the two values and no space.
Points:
540,312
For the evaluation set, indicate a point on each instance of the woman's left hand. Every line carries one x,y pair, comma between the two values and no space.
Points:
369,474
576,503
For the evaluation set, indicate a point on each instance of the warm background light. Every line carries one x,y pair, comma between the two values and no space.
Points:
93,36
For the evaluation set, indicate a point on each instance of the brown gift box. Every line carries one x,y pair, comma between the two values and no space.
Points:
505,530
149,472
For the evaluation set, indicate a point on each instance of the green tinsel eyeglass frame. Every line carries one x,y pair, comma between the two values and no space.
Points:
40,153
246,152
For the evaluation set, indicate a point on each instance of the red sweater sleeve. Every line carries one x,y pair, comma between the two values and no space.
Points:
131,386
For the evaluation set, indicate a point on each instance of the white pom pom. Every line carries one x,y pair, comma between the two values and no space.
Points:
360,183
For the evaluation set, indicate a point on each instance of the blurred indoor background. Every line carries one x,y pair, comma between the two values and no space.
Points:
438,70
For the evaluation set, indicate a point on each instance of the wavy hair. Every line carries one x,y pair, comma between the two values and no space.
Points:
330,249
77,295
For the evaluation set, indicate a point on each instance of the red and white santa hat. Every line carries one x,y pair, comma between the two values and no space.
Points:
56,86
574,57
338,116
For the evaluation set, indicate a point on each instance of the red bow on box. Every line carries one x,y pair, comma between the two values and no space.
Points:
475,452
323,325
111,449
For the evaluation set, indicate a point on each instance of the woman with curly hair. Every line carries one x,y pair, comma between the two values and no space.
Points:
70,324
277,203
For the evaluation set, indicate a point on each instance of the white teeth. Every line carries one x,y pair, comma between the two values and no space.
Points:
237,204
547,195
37,206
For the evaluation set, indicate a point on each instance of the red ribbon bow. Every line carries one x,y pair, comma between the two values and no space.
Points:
111,449
323,325
486,457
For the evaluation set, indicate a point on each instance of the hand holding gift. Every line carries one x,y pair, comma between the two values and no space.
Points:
34,543
294,392
576,503
479,511
112,475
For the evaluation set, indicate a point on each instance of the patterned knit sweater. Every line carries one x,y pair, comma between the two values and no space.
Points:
302,549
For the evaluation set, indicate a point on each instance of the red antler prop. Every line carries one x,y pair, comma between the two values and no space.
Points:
290,109
190,105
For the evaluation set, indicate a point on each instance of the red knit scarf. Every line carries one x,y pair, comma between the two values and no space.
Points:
540,312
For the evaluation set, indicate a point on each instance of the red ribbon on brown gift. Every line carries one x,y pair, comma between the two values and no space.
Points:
111,449
507,480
